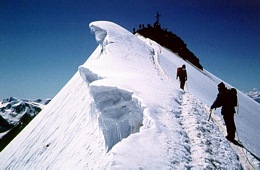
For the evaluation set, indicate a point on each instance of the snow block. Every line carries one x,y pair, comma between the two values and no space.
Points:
87,75
120,114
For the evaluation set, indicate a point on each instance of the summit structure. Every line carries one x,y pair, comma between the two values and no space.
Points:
168,40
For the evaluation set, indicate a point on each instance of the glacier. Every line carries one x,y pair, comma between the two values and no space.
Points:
123,109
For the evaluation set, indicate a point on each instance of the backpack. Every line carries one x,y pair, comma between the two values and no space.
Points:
232,97
179,71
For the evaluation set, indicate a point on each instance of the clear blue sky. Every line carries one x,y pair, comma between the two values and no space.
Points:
42,42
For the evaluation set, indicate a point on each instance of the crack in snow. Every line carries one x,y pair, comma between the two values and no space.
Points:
246,159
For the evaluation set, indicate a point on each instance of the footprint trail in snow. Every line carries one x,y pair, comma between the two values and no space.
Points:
204,141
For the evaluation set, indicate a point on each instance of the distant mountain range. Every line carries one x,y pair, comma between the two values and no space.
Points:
15,114
255,94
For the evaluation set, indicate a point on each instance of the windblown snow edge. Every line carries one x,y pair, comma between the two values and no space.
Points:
87,75
100,34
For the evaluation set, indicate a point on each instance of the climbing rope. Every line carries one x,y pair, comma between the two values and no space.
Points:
214,120
240,141
244,151
187,87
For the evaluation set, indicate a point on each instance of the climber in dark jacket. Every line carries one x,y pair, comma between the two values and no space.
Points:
182,74
227,111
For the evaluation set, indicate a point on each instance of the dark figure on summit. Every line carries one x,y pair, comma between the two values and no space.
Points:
227,99
182,74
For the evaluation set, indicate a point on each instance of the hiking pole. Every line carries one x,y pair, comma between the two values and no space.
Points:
187,87
210,112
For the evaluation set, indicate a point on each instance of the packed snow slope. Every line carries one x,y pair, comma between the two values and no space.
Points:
123,109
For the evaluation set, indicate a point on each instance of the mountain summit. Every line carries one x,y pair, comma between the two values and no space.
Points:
123,109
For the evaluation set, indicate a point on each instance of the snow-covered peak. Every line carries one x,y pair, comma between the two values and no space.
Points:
121,71
126,62
123,109
15,114
12,109
255,94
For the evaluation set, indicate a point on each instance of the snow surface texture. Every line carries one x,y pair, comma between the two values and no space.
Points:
123,109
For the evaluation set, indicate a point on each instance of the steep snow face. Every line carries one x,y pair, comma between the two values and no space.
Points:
123,109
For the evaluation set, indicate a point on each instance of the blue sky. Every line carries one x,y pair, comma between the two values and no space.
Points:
42,42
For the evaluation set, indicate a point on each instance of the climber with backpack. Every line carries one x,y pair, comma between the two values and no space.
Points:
227,99
182,74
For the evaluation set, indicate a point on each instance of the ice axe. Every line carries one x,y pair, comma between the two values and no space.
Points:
210,112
